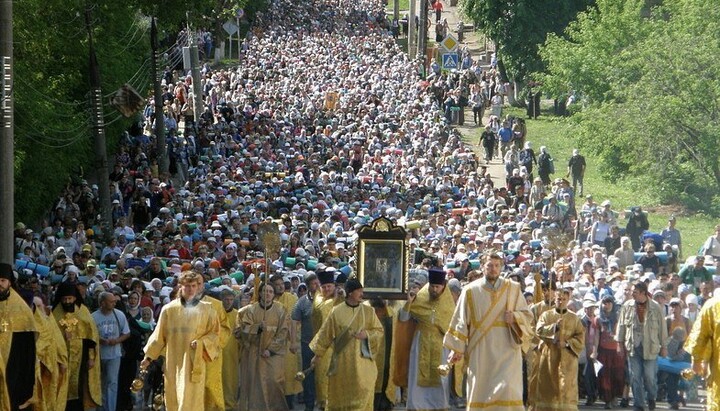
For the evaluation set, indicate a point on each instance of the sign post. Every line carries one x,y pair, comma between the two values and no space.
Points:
450,61
230,28
238,15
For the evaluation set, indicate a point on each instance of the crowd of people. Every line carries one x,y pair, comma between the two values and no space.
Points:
517,291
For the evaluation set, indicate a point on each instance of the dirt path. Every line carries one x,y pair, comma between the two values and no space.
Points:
476,44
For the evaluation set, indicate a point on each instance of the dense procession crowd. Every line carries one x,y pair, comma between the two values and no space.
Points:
525,293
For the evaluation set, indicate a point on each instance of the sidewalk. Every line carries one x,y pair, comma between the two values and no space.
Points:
476,44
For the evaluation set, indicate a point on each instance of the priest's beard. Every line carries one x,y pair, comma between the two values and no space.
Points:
4,294
68,308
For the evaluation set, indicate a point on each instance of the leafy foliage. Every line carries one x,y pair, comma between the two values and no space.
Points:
519,27
52,133
651,87
53,141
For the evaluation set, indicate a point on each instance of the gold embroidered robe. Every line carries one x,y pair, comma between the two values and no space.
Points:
556,386
185,367
261,379
492,354
352,387
703,344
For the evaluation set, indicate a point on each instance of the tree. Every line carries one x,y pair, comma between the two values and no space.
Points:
52,133
652,93
519,27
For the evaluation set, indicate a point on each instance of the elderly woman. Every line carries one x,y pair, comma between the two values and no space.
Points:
625,254
611,378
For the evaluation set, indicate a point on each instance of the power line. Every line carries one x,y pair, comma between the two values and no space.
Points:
36,127
132,25
38,140
143,69
46,97
143,66
130,43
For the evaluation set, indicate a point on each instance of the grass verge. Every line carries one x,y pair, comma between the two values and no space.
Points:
556,134
404,5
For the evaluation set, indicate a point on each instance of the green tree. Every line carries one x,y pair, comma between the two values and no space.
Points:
52,133
519,27
651,87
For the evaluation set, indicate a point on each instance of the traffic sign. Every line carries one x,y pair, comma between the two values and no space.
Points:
449,43
450,61
230,27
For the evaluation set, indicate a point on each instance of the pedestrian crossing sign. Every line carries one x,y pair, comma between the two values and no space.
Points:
450,61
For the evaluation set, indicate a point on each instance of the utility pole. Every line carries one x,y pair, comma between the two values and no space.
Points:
195,71
422,41
396,10
411,34
7,136
98,127
160,145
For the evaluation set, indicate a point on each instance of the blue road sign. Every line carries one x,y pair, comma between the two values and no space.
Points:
450,61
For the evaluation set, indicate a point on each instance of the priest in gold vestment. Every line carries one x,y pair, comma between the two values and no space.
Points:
292,356
17,341
51,383
703,344
262,329
562,338
385,388
353,331
83,346
214,397
489,327
322,306
230,354
431,311
547,303
187,334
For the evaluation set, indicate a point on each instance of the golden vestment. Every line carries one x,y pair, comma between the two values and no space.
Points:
381,362
231,365
4,394
214,398
352,383
426,388
556,385
492,348
50,380
292,361
261,379
76,327
64,361
17,317
185,367
321,311
537,310
704,345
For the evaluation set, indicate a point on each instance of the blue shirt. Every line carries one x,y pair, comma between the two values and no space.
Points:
110,326
303,312
505,134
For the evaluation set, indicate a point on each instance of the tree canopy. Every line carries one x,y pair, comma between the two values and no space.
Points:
51,88
650,87
519,27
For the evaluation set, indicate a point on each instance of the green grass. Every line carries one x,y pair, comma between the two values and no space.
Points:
556,134
403,43
404,6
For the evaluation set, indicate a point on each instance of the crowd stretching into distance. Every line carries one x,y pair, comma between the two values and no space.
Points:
521,294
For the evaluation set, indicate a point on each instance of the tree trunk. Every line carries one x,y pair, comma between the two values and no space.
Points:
501,67
513,93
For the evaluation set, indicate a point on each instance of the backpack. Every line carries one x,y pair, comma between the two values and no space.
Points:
525,158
